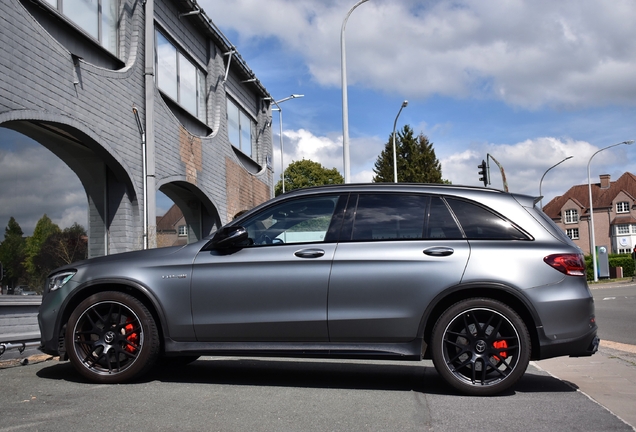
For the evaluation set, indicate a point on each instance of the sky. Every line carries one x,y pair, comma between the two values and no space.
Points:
529,82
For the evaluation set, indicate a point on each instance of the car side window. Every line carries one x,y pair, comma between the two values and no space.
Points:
481,223
303,220
389,217
441,223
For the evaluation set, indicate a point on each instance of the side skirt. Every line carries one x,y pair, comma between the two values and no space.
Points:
388,351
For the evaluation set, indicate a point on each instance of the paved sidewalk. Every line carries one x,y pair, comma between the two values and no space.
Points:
608,377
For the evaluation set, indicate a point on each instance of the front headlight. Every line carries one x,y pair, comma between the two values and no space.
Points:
58,280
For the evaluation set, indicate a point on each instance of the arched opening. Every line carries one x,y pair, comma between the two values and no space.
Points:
188,214
112,211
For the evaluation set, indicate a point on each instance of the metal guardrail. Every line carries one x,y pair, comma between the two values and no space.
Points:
19,328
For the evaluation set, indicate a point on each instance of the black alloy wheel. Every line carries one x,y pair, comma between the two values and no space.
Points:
111,337
480,346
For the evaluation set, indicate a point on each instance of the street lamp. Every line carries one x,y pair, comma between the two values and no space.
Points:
280,123
546,171
591,227
345,107
404,104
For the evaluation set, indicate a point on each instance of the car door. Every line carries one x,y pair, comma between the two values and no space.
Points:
275,287
398,252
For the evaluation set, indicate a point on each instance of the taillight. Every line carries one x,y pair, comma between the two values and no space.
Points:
570,264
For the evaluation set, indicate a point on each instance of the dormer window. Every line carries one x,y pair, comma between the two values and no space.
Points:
622,207
571,216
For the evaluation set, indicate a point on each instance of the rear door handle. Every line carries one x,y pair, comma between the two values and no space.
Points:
309,253
439,251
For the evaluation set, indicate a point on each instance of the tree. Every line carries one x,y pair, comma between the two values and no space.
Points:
12,253
416,160
34,266
306,173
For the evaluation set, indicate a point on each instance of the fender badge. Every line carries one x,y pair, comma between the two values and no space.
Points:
181,276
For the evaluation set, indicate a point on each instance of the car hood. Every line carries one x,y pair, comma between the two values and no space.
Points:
141,256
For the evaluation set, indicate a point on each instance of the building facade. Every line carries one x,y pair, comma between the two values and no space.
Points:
138,96
614,206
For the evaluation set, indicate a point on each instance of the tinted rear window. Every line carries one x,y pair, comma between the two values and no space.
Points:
480,223
389,217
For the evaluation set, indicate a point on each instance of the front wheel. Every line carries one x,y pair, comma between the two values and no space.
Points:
480,346
111,337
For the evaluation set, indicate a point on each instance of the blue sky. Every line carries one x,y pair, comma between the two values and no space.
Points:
527,81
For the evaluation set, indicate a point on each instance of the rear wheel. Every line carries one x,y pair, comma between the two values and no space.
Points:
111,337
480,346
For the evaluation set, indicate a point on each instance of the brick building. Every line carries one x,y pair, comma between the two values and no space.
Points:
138,96
614,204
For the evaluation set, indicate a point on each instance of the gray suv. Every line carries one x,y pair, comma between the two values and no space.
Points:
478,280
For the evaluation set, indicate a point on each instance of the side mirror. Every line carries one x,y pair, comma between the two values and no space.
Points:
228,237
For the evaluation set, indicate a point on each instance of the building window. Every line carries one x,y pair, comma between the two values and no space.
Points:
98,18
624,251
571,216
573,233
182,231
622,229
239,128
622,207
179,79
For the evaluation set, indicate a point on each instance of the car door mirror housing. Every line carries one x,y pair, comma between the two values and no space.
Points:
228,237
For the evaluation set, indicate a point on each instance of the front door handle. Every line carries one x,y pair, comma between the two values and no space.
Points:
439,251
309,253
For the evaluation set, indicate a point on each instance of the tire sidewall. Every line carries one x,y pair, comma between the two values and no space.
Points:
149,349
438,354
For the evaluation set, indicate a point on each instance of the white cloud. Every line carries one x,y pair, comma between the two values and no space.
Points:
569,53
526,162
327,150
35,182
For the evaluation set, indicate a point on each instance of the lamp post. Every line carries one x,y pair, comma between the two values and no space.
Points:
546,171
404,105
591,227
280,124
345,106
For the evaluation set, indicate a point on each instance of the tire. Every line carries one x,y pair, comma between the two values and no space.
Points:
480,346
111,337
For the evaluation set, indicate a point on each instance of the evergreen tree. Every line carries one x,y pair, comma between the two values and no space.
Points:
416,160
306,173
12,253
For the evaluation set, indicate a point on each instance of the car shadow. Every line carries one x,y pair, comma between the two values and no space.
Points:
393,376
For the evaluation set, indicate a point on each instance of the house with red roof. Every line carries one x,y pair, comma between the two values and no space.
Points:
614,206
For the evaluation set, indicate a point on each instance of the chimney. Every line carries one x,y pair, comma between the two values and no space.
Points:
605,181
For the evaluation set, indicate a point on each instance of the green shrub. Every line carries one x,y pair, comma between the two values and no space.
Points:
615,260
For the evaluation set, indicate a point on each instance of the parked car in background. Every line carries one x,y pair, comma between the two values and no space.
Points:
22,289
29,293
478,280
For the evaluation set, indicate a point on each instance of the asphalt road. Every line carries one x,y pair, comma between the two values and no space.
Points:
615,306
232,394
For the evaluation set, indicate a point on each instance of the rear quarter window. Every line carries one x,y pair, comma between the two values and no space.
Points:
483,224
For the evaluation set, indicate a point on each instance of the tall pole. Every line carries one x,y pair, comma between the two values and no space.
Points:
404,104
591,227
541,181
280,124
345,105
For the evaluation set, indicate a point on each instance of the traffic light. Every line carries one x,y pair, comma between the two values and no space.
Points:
483,173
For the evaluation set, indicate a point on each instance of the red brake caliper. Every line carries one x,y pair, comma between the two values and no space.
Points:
502,344
132,338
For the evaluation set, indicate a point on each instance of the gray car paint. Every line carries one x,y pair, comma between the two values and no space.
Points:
345,295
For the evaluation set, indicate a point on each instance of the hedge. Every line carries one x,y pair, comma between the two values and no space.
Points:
615,260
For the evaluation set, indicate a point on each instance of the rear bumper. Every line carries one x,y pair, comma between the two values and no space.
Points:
583,346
